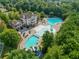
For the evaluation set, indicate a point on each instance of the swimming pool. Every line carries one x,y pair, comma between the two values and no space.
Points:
33,40
52,21
30,42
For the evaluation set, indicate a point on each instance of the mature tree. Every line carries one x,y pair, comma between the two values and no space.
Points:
51,14
68,36
66,9
48,39
4,17
74,54
14,15
64,57
53,53
42,15
20,54
10,38
2,26
70,28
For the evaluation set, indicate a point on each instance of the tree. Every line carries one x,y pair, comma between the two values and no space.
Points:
66,9
2,26
51,14
74,54
4,17
69,28
65,57
14,15
68,36
20,54
42,15
54,52
10,38
48,39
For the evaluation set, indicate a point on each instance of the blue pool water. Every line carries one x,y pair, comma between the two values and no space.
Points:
52,21
30,42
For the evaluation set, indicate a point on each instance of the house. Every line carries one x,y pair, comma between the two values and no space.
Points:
16,24
29,18
26,20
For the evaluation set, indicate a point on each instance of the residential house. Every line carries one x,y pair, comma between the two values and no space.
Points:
27,19
16,24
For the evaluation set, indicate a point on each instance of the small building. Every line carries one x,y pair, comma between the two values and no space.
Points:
16,24
29,18
26,20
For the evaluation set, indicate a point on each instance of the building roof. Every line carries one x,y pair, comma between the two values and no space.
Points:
15,23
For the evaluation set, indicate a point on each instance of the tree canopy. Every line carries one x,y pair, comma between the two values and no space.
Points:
2,26
10,38
20,54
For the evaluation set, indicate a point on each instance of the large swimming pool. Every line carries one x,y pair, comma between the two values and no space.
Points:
33,40
30,42
52,21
